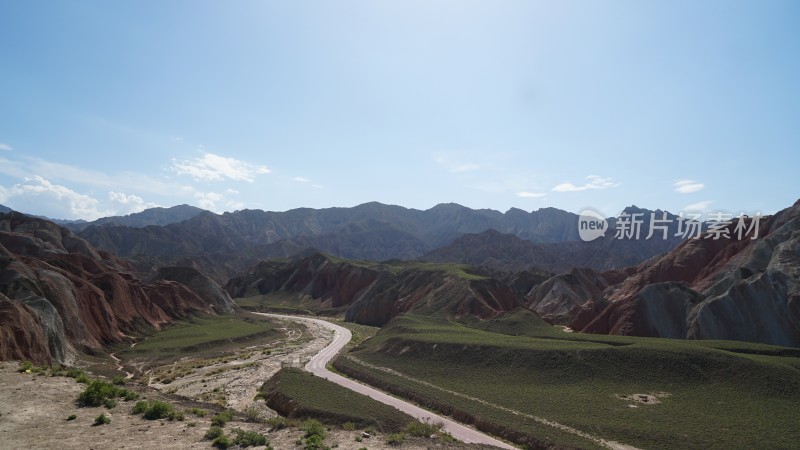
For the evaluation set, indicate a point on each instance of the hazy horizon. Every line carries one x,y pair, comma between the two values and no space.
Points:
111,108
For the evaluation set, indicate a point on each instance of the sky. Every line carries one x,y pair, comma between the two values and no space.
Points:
108,108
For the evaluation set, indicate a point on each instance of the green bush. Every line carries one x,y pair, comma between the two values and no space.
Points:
221,442
119,380
82,378
128,395
159,410
102,419
140,407
249,438
25,366
313,427
213,433
96,393
220,419
110,403
395,439
349,426
72,417
315,442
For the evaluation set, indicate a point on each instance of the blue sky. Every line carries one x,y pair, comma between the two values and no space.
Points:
112,107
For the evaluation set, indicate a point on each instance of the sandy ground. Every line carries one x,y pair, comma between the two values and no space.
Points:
34,409
235,383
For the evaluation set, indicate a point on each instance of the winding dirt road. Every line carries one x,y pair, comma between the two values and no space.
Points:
317,366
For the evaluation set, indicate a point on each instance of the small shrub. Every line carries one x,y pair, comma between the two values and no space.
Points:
26,366
102,419
199,412
82,378
313,427
221,442
395,439
315,442
140,407
220,419
191,424
96,393
74,372
159,410
119,380
249,438
110,403
277,423
213,433
359,439
128,395
252,414
72,417
423,429
349,426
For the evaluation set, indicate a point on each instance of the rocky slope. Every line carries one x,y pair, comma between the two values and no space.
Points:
738,289
507,252
59,295
373,294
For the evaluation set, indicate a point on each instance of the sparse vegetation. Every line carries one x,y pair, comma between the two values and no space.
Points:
222,418
395,439
102,419
72,417
423,429
213,433
244,438
221,442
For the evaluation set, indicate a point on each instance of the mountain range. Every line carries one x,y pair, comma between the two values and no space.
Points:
225,245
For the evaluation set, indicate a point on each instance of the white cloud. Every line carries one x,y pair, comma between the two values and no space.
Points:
301,179
130,203
688,186
318,186
58,201
594,183
208,200
232,191
699,206
5,147
211,167
525,194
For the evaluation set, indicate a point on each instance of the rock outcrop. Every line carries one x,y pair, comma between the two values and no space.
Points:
729,288
59,295
373,294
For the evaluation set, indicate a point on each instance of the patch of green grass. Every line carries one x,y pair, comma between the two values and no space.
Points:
71,417
316,397
720,394
221,442
204,336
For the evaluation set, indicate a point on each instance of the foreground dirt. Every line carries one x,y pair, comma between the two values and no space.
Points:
34,411
234,381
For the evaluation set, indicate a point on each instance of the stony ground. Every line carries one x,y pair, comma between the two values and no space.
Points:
34,411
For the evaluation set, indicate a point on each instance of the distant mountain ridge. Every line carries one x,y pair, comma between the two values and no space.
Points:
232,242
152,216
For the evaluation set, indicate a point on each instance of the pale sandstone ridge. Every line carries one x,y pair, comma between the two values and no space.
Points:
59,295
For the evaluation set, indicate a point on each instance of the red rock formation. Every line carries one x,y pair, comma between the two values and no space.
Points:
60,295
